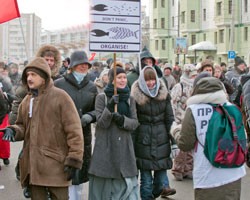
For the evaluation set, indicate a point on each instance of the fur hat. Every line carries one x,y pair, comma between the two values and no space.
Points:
118,64
43,50
206,63
119,70
167,66
190,70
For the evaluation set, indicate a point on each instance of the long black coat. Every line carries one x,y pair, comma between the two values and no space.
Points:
83,96
152,138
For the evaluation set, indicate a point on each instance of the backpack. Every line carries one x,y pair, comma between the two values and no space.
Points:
225,141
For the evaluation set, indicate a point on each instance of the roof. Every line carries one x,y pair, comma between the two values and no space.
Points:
202,46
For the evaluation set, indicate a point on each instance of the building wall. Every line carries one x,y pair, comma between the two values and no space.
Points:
18,47
214,26
20,38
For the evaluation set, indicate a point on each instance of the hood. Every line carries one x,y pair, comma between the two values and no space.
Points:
207,85
145,53
40,64
43,49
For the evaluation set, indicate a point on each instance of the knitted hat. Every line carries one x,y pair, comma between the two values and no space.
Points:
119,70
39,66
38,71
207,85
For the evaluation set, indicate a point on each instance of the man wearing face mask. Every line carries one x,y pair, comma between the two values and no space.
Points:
83,92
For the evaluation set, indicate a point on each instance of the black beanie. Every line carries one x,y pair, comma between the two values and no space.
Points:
119,70
238,61
37,71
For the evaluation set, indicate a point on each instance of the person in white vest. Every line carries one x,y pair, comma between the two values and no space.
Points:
209,182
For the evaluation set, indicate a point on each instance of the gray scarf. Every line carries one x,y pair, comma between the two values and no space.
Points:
143,85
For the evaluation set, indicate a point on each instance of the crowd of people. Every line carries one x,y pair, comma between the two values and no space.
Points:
139,117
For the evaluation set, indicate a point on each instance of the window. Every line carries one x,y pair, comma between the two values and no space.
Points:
173,43
204,15
230,7
155,3
218,8
155,23
172,21
246,33
163,3
162,22
163,44
156,45
204,37
192,15
221,36
215,38
183,17
173,2
193,39
246,5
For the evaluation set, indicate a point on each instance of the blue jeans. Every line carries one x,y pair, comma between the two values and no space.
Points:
152,185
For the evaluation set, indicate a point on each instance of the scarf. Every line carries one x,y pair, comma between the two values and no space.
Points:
124,94
143,85
218,97
78,76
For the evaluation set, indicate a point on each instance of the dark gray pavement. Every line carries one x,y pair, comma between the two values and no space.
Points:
10,188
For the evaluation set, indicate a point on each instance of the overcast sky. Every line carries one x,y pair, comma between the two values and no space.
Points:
56,14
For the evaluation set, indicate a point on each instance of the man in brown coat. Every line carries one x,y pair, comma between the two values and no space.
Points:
52,134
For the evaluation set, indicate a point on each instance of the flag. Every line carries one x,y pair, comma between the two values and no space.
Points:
8,10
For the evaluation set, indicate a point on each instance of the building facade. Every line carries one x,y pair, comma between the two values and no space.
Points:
20,38
198,21
68,39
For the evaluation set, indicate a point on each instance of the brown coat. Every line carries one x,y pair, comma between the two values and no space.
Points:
52,137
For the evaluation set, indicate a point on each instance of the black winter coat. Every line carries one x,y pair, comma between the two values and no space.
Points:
83,96
152,137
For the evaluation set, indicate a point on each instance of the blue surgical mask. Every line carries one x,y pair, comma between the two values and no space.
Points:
78,76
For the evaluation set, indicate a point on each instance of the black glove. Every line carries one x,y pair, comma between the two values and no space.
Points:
9,134
71,172
113,100
118,119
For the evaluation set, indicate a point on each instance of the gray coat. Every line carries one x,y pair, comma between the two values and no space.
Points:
113,155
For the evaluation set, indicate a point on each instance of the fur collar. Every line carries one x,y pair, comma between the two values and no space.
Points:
142,99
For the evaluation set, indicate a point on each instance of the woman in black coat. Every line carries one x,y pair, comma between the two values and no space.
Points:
152,138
